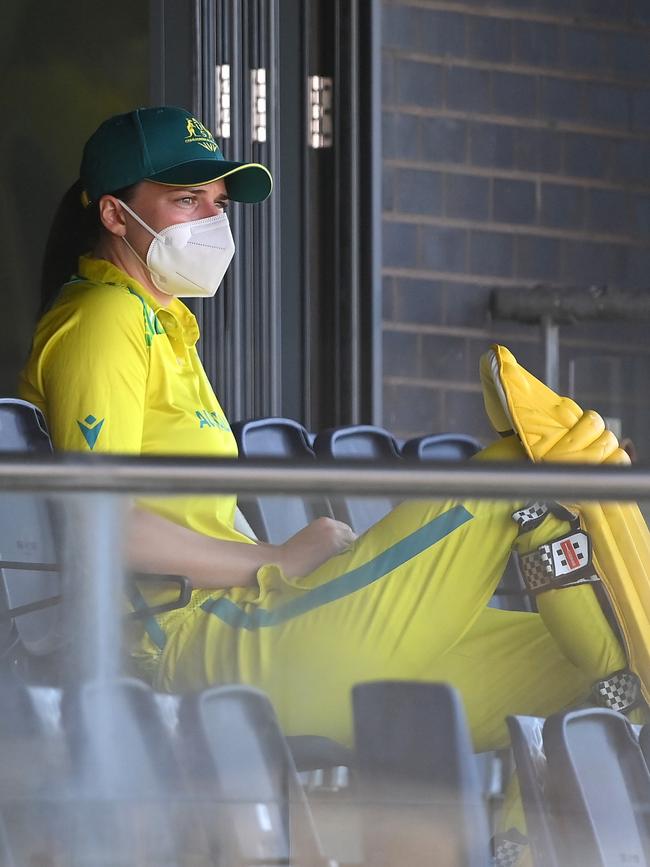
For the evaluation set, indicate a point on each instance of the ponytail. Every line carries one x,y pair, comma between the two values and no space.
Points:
75,230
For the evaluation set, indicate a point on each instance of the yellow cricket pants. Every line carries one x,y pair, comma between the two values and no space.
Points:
408,601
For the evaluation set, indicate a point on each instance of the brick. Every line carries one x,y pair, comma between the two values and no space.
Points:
536,44
586,263
537,258
388,298
418,191
640,11
387,78
444,139
631,159
586,156
489,39
467,196
400,354
387,189
514,94
596,376
559,6
468,89
440,32
464,412
491,253
419,83
399,27
562,99
412,409
492,145
400,135
514,201
538,150
399,244
592,374
641,211
641,110
616,266
583,49
608,106
418,301
444,357
608,211
637,267
563,206
524,4
443,248
603,9
466,304
631,55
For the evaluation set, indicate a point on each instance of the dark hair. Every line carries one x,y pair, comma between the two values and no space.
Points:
75,230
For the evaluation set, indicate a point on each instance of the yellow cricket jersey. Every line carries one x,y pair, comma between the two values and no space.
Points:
113,371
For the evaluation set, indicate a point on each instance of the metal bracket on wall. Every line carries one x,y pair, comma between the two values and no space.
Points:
319,133
258,104
222,112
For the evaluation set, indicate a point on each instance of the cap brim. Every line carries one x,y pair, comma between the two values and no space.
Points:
245,182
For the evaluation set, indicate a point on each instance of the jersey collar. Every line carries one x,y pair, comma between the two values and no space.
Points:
103,271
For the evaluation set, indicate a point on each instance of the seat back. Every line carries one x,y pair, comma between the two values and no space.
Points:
34,765
599,787
119,743
418,772
362,443
644,741
530,760
129,788
235,745
441,447
511,593
275,519
27,536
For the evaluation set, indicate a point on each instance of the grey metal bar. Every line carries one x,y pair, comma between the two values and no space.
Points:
93,574
127,475
551,337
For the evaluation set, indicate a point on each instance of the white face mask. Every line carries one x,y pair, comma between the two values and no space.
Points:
188,260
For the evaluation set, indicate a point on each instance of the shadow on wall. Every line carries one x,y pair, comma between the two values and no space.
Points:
65,68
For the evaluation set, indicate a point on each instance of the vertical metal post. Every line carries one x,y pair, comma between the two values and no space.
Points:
551,337
371,172
93,580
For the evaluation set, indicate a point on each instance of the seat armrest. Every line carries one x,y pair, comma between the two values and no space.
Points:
143,610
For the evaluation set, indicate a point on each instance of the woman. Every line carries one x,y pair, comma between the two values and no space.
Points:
114,368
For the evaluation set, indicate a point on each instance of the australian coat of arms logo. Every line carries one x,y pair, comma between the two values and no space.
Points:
199,134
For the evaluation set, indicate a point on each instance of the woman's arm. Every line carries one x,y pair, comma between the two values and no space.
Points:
157,545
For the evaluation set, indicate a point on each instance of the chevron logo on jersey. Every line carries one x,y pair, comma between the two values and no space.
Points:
90,428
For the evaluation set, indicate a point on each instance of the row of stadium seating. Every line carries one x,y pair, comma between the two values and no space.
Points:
209,779
112,773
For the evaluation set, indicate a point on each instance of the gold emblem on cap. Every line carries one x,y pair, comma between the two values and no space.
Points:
199,134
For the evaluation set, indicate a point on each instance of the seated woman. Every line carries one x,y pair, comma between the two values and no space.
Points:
114,367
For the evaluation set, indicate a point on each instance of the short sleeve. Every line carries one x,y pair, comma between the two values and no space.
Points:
94,377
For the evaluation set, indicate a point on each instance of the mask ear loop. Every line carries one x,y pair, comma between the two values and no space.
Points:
141,221
144,226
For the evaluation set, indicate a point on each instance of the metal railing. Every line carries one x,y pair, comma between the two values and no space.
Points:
161,476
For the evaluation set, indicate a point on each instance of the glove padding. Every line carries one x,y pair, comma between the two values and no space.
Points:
555,429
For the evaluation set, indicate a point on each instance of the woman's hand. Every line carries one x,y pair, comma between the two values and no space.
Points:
313,546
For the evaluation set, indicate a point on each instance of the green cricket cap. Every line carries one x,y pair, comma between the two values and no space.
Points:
167,145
